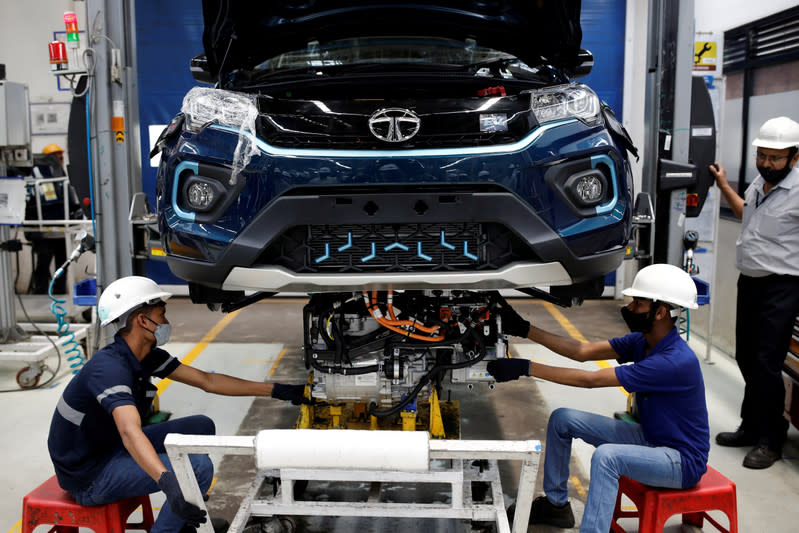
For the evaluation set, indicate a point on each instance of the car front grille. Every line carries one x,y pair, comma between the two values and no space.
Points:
396,248
295,140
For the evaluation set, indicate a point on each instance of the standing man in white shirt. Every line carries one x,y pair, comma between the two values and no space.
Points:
767,255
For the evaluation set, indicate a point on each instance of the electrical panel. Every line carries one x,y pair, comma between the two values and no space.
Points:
15,124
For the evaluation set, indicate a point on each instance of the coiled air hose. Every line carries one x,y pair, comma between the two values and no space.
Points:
73,351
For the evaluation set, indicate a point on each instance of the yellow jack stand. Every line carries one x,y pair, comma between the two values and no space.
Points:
442,419
408,420
305,420
436,422
335,416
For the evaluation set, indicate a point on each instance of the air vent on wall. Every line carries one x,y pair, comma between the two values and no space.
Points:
773,39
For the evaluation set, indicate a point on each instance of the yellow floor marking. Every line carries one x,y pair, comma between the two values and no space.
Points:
575,334
564,322
200,346
277,361
16,528
578,486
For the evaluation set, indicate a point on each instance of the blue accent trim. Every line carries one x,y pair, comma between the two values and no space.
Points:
326,256
518,146
595,160
396,245
184,165
444,243
370,256
419,252
466,251
587,224
349,242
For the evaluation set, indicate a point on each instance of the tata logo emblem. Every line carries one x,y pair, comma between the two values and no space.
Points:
394,124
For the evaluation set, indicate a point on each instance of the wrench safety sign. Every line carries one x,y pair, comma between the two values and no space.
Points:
705,56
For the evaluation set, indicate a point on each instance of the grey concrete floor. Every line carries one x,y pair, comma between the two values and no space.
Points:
263,342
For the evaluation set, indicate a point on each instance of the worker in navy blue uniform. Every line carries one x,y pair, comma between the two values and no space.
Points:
767,256
98,446
668,448
49,247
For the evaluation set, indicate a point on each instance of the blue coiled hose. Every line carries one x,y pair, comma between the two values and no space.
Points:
74,353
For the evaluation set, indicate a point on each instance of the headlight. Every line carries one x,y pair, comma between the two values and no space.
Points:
565,101
203,105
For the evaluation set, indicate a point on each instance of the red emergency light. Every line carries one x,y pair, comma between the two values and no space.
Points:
58,55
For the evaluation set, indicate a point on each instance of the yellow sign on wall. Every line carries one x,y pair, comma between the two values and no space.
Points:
705,55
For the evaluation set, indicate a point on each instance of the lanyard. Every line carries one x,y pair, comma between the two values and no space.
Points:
759,201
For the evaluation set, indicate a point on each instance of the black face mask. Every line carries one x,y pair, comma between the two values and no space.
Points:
639,322
774,176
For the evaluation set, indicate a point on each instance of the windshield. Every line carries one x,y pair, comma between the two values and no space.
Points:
383,50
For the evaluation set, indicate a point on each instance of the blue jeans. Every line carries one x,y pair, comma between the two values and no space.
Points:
122,477
621,450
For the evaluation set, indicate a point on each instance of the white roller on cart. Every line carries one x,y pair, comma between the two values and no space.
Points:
365,456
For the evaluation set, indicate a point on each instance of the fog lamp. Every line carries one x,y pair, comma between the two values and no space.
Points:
589,189
200,195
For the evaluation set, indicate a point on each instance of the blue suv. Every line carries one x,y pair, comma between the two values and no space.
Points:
346,145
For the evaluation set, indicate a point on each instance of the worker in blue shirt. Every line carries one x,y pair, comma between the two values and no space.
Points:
669,447
98,446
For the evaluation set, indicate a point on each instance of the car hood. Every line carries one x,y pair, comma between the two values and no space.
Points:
242,34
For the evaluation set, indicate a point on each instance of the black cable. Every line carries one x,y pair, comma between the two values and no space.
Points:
394,409
49,338
57,351
429,376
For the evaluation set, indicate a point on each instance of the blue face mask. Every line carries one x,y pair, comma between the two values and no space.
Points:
161,331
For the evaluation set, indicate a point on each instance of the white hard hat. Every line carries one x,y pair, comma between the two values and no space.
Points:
664,283
126,294
778,133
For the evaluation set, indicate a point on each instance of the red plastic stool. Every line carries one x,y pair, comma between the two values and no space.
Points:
50,504
656,505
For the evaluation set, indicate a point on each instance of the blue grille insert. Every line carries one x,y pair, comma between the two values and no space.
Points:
349,243
420,254
444,243
371,255
325,256
396,248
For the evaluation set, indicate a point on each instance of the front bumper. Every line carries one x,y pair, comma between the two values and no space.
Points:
546,259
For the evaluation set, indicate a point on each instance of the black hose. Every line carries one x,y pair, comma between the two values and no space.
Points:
425,379
347,371
54,373
394,409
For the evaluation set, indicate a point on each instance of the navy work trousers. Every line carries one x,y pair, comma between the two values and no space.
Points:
122,477
766,310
